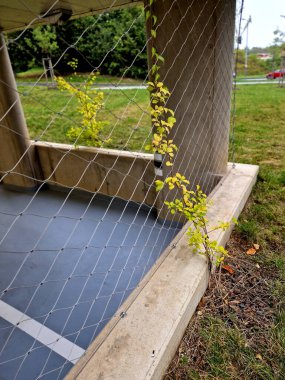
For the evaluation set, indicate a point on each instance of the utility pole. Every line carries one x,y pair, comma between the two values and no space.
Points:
282,68
246,45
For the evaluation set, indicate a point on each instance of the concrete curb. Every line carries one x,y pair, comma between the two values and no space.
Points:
142,343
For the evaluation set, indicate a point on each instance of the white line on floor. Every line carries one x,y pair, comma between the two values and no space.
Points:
43,334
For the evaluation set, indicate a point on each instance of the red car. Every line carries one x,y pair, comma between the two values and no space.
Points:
276,74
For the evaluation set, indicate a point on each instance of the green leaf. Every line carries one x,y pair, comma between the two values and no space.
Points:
154,69
159,185
171,120
153,33
147,15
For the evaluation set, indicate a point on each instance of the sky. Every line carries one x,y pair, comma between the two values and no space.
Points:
266,18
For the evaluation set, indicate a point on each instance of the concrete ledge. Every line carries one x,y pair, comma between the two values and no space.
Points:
140,344
127,175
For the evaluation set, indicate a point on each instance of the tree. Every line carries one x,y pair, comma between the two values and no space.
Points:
113,41
280,36
46,40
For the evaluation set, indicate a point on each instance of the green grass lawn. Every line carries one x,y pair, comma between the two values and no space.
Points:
256,76
36,74
31,73
50,113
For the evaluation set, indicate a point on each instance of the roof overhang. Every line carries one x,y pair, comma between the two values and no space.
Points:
18,14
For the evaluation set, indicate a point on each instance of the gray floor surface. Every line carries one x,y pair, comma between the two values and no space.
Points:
68,262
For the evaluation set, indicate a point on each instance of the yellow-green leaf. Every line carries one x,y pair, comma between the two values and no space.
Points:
153,33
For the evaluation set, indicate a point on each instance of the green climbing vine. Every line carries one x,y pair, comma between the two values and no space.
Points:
88,133
192,204
163,121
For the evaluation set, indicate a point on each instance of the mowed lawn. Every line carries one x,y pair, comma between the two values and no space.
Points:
259,138
50,113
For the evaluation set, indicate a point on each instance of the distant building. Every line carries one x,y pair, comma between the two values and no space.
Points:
264,56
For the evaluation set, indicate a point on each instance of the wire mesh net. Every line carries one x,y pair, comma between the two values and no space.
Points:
81,225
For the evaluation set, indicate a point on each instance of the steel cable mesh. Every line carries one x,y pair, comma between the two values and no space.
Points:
239,17
73,258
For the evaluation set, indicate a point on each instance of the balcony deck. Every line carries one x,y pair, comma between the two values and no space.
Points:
67,262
